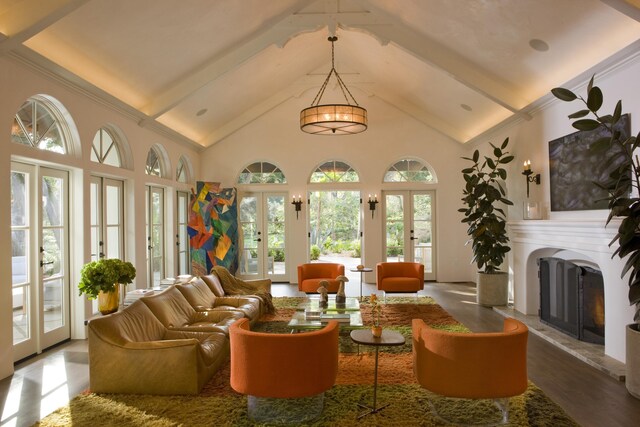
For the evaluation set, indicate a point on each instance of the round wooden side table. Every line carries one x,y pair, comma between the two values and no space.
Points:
364,337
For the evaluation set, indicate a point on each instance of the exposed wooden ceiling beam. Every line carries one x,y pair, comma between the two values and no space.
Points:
388,28
28,18
423,116
277,31
631,8
294,90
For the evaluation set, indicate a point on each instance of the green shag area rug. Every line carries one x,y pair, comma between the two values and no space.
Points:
409,404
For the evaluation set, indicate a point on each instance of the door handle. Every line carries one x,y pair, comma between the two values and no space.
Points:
258,240
413,238
149,247
42,263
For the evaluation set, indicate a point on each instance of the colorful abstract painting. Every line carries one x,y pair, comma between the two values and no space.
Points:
213,228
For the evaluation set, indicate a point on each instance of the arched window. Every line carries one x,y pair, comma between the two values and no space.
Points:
105,149
262,173
334,171
409,170
183,171
154,163
36,125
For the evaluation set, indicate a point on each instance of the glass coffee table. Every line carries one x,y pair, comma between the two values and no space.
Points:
309,315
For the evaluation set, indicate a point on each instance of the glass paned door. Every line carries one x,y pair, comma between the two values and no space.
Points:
182,238
155,235
409,226
107,218
106,199
335,219
21,277
40,278
263,230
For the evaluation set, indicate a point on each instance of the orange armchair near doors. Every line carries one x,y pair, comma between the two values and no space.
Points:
310,276
472,365
285,366
400,276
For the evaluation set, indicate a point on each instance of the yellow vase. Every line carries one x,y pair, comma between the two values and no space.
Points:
108,302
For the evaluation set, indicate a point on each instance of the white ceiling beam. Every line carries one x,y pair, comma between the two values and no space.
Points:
440,57
28,18
631,8
249,116
277,31
294,90
423,117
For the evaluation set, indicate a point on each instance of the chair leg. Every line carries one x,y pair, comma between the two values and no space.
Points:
384,296
503,405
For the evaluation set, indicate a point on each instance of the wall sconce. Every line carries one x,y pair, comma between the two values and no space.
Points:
297,202
528,173
373,201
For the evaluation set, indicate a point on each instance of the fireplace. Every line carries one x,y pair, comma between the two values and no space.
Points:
572,299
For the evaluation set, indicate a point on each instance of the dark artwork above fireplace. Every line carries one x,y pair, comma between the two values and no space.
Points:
572,299
573,169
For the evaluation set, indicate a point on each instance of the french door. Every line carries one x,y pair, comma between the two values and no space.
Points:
183,261
263,250
40,253
155,235
335,218
409,226
107,218
106,199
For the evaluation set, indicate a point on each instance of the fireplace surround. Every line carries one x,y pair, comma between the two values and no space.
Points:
585,238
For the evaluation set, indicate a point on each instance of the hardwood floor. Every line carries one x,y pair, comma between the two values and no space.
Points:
591,397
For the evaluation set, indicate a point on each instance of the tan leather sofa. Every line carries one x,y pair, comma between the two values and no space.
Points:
202,298
161,344
131,351
173,310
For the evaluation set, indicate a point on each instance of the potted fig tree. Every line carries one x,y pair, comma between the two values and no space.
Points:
101,279
484,198
620,156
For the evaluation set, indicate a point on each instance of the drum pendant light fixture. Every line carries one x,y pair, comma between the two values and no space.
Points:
333,119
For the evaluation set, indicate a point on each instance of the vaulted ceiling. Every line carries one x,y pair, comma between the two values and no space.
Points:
199,70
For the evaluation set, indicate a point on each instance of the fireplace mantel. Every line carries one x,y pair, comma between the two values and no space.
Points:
532,239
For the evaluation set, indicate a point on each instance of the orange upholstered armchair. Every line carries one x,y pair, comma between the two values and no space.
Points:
310,276
399,277
295,368
472,366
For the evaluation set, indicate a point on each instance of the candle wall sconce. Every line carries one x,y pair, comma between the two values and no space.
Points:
297,202
530,177
373,201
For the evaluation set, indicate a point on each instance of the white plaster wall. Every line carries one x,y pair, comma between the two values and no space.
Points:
392,135
17,83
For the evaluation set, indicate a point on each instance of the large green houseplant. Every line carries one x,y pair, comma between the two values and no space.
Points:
620,156
102,278
483,198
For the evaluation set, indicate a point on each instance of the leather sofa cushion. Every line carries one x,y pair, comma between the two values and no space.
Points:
197,293
137,323
214,284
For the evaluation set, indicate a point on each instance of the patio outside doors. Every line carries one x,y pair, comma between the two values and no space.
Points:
409,226
263,250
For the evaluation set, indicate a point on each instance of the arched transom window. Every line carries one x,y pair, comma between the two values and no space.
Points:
105,149
262,173
334,171
408,170
153,166
183,172
36,125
